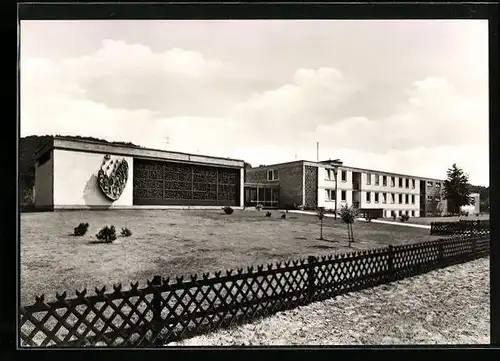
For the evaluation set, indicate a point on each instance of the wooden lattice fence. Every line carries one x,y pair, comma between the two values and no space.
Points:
462,227
165,311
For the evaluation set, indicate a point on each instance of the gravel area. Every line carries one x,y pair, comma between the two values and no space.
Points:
446,306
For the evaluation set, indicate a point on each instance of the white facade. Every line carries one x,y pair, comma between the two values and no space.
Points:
381,195
326,182
75,181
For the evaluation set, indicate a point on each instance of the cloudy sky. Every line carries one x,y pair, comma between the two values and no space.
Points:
401,96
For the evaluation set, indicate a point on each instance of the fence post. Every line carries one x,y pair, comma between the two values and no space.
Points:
441,253
391,263
157,325
311,277
474,248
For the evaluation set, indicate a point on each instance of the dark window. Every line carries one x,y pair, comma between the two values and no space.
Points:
400,182
368,197
344,175
384,181
272,175
376,179
343,195
376,197
407,183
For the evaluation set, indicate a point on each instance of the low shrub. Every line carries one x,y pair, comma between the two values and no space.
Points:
107,234
228,210
404,218
81,229
268,214
126,232
258,207
283,216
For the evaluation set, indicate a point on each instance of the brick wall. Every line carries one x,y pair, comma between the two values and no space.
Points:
290,179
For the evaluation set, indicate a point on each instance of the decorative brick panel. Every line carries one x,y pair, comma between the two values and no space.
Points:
311,187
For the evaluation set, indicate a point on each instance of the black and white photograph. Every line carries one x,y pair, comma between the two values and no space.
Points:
231,182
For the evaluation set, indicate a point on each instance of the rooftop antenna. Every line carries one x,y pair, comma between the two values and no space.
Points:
317,151
167,141
295,154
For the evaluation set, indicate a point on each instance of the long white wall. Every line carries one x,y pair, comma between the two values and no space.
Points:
44,183
75,181
346,185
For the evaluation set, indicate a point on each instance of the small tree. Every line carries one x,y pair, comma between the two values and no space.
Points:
456,188
321,215
348,214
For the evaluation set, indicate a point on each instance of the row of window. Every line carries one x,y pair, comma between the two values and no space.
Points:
330,195
330,175
378,197
430,184
391,198
402,181
272,175
431,198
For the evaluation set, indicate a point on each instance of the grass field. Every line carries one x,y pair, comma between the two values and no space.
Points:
429,220
175,243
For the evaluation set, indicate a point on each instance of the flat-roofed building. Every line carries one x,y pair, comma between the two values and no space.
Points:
81,174
320,184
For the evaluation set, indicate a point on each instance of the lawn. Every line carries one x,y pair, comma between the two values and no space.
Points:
429,220
175,243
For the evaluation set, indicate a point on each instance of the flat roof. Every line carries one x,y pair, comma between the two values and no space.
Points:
343,166
83,145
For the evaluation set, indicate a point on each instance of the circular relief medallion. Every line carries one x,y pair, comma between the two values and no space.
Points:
112,177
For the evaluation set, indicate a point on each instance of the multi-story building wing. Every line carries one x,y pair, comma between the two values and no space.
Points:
320,184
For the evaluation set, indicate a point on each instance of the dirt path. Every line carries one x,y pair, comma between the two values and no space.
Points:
447,306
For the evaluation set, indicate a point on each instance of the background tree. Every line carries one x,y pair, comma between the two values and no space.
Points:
348,214
456,189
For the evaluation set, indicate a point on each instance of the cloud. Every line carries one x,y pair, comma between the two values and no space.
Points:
283,113
175,82
434,114
130,92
